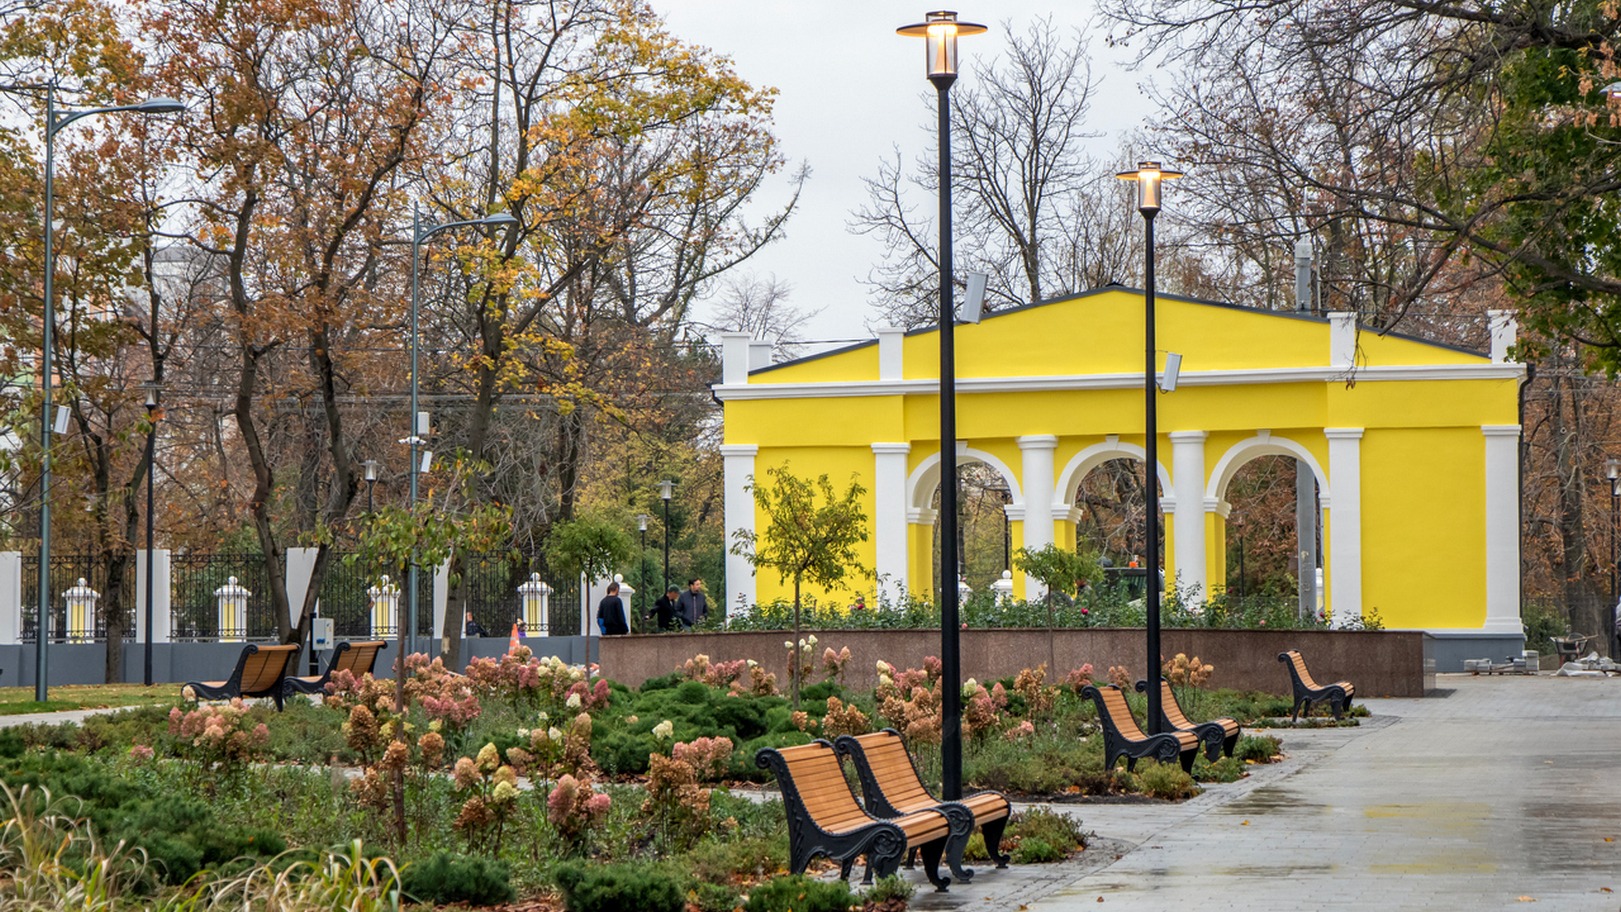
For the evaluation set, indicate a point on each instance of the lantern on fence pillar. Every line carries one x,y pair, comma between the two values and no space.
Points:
233,611
536,595
81,601
385,608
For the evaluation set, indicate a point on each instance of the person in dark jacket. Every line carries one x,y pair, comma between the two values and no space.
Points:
665,609
692,606
611,613
473,629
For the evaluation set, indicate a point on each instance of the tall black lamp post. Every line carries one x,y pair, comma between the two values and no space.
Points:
54,121
939,31
641,563
152,415
1612,471
666,488
421,231
1149,176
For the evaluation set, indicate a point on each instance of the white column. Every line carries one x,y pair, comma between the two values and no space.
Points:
161,619
1187,483
889,517
1038,482
11,598
1345,523
734,357
739,514
1504,328
1502,528
441,599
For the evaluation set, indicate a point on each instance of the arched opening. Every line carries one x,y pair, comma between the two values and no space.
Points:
984,533
1110,500
1274,536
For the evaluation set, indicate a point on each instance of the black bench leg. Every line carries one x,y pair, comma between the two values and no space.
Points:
866,874
931,864
1187,758
911,859
992,831
844,870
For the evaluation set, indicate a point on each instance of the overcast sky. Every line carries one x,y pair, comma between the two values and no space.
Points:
852,90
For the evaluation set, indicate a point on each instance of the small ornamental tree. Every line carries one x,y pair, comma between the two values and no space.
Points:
1058,569
590,544
810,534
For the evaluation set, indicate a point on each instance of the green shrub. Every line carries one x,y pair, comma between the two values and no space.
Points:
798,893
448,878
1225,769
1257,748
663,682
820,691
180,835
612,888
889,889
733,855
11,744
716,897
692,692
1165,780
1036,851
1058,830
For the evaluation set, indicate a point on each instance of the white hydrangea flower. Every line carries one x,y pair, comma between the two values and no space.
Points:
573,701
663,730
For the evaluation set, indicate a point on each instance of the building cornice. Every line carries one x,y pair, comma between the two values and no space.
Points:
1073,382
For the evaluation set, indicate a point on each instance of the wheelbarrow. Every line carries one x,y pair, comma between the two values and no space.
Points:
1570,646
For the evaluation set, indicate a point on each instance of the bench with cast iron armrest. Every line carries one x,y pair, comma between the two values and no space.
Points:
1307,691
892,788
825,819
1123,738
1219,735
260,672
355,658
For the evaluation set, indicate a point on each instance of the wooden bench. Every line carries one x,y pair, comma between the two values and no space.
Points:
1219,735
1122,737
356,658
825,819
1307,691
892,788
259,672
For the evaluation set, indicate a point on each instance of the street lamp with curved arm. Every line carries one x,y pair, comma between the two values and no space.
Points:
420,232
54,122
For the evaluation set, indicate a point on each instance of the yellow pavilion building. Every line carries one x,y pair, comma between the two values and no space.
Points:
1414,445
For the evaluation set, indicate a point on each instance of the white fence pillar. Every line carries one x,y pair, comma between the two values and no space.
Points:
233,611
536,600
441,599
299,565
11,597
81,601
1003,588
385,608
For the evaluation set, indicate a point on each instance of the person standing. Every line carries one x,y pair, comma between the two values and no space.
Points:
666,609
693,608
611,613
473,629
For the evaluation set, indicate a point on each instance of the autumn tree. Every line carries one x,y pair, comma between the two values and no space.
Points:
810,536
304,116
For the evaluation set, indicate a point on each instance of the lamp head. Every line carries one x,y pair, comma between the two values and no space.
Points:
666,487
370,466
939,32
160,106
641,522
1149,177
153,389
1612,468
504,221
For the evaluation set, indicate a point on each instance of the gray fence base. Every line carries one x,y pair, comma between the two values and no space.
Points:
176,663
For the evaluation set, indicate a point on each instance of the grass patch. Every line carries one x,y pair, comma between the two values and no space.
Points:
17,701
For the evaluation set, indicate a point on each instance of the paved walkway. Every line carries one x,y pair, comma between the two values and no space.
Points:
1494,794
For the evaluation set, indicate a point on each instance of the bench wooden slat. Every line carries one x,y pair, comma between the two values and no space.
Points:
892,787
